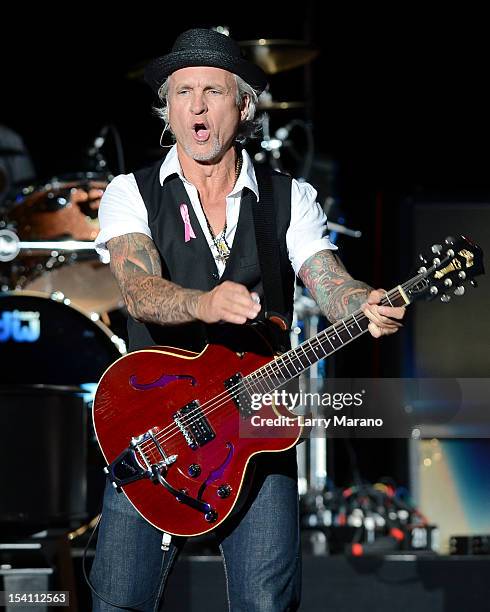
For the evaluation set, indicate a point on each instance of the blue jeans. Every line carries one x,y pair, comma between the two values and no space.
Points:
260,546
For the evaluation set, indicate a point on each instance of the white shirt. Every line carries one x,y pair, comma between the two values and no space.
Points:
122,211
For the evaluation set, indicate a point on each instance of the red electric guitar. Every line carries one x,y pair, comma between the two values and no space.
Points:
175,427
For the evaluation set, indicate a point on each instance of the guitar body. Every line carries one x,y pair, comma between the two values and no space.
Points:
145,390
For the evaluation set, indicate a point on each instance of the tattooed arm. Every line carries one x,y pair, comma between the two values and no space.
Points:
338,294
135,262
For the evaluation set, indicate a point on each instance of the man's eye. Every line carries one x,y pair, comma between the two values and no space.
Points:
214,91
183,91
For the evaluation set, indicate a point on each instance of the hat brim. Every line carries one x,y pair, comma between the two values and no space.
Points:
162,67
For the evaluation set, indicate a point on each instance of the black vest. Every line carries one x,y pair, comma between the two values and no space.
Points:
191,264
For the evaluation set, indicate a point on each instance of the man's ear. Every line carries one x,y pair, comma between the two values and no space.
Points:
244,107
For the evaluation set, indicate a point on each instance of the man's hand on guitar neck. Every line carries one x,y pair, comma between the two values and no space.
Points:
338,294
383,320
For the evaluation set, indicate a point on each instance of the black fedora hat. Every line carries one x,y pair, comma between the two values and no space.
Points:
202,47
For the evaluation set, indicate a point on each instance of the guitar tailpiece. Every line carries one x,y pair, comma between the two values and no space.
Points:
209,513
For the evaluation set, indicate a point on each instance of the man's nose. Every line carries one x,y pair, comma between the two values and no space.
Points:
198,104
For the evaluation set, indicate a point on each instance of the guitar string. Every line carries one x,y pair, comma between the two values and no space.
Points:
208,406
229,394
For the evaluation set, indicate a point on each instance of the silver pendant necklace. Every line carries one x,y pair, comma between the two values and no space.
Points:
219,240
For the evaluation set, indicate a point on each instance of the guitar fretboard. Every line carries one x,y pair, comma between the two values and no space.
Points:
295,361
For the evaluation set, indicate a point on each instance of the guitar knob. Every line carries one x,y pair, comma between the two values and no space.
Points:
194,470
459,290
436,248
211,516
445,297
224,491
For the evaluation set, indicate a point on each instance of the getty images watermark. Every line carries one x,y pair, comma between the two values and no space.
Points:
383,407
292,401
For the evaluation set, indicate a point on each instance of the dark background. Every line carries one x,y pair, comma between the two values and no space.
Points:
397,99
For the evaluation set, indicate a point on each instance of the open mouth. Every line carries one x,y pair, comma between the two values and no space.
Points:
201,132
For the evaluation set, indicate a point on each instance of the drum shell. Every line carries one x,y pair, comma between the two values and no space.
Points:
66,347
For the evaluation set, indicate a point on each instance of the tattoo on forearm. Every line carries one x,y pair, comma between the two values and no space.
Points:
334,290
135,262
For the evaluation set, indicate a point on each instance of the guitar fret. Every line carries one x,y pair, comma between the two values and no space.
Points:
292,362
275,376
335,330
347,329
388,298
328,338
261,380
285,365
355,319
307,358
320,345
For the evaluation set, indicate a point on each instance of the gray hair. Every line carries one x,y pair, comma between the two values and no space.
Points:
248,128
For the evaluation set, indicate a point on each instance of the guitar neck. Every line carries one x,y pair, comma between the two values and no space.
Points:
295,361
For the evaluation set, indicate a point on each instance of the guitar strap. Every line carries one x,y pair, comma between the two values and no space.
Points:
264,216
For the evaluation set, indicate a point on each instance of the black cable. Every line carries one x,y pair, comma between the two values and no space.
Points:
94,590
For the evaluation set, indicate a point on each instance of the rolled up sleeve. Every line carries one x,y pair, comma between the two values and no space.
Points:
307,232
122,211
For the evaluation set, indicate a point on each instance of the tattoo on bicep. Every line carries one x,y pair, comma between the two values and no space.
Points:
133,253
135,262
334,290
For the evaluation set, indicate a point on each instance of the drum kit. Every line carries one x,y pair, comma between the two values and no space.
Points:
50,278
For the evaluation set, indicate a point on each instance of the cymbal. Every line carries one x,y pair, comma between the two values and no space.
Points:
275,105
277,55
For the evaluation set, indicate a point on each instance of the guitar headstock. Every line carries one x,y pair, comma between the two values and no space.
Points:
447,271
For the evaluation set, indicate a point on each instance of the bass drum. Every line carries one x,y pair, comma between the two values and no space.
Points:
47,342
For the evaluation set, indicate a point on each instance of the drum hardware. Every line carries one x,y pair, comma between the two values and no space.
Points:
47,245
341,229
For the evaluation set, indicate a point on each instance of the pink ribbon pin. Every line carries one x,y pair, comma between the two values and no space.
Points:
189,232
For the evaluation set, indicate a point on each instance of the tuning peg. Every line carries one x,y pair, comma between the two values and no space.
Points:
462,275
445,297
459,290
448,282
449,240
436,248
450,253
434,290
422,270
436,261
473,283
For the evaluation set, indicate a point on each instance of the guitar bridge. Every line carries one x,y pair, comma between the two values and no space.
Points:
133,463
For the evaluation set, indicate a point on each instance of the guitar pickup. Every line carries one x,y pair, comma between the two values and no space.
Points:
240,395
193,425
